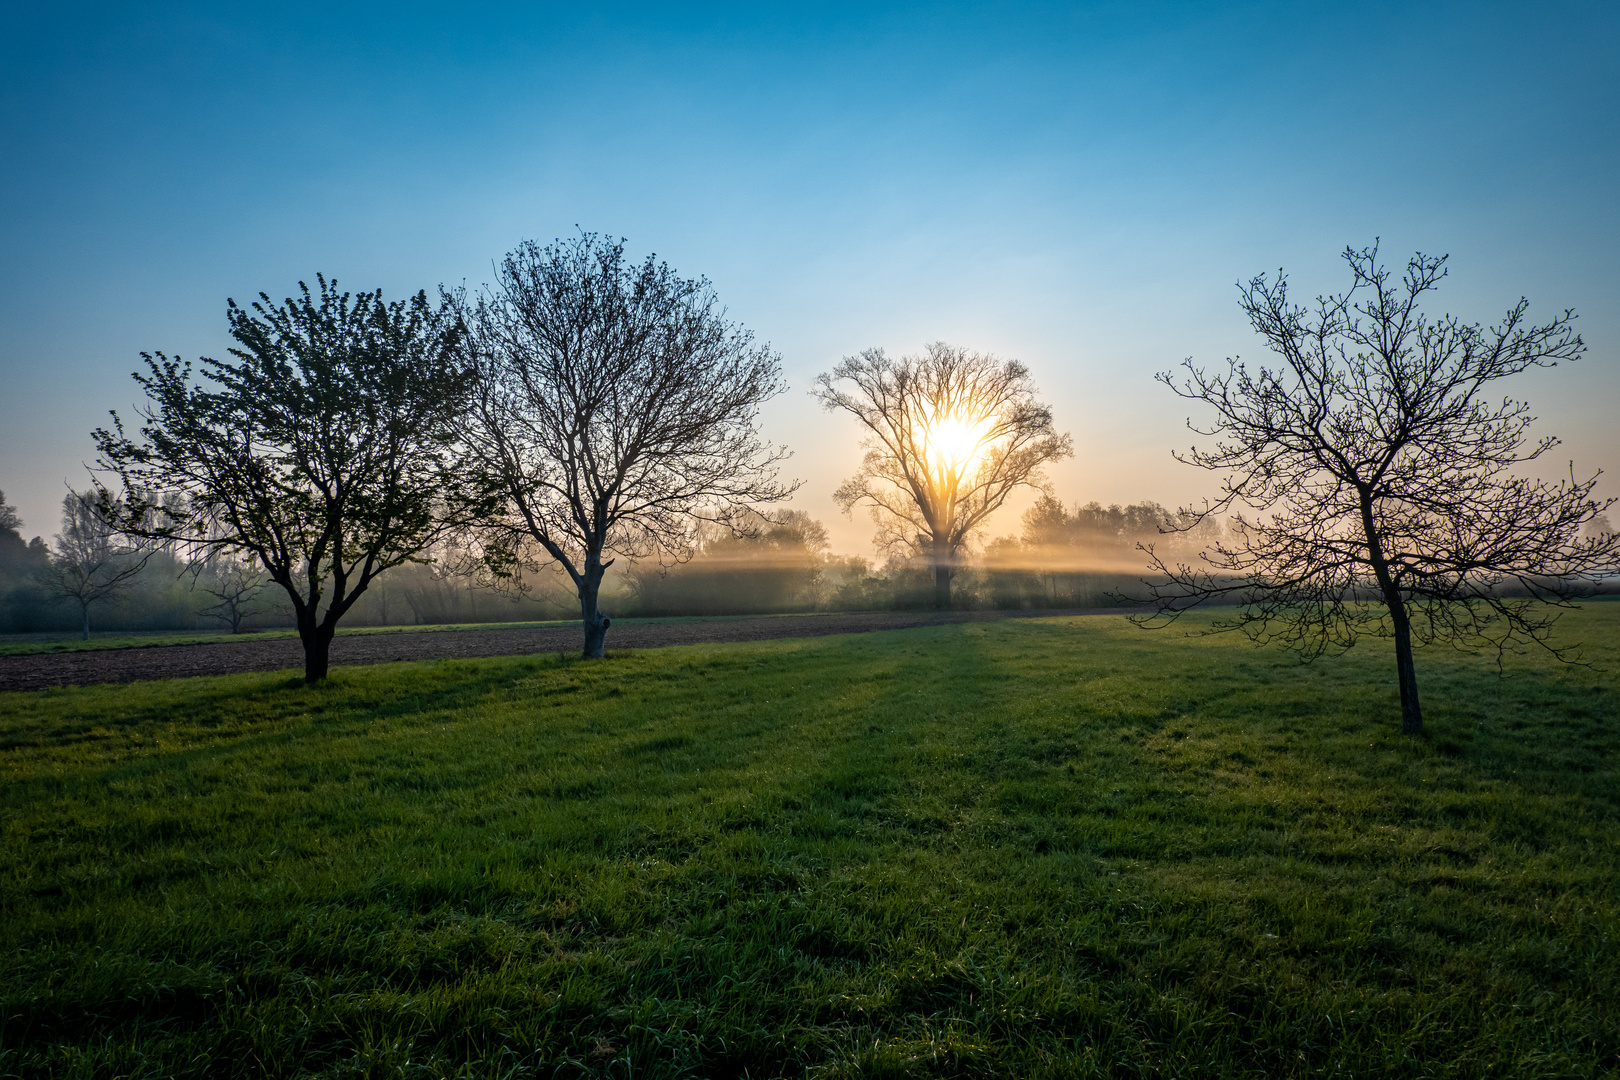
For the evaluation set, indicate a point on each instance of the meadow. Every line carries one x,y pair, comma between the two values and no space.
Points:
1064,847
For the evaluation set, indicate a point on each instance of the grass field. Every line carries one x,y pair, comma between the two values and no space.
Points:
1023,848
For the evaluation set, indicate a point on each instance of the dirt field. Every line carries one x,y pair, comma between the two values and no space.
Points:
180,661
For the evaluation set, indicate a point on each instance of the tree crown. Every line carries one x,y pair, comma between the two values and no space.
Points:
614,403
950,434
321,447
1380,466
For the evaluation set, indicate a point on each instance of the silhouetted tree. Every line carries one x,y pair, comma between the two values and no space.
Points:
9,521
94,561
1382,470
952,434
321,449
613,404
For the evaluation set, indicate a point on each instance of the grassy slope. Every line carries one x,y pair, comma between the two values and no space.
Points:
1019,848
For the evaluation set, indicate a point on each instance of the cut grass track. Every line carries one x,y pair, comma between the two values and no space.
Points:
1023,848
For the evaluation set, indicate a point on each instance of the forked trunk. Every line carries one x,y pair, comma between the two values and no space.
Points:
596,623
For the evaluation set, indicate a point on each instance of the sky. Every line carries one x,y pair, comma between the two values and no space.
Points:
1078,186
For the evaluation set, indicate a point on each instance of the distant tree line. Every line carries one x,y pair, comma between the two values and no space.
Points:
1091,556
772,562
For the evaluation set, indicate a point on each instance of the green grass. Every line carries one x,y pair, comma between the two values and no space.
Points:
1025,848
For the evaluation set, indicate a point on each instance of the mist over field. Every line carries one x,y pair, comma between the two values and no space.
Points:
783,563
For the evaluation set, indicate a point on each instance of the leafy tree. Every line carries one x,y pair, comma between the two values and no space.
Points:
321,449
614,404
94,560
1381,469
951,434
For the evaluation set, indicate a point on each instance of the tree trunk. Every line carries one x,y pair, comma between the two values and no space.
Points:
596,623
942,576
1411,714
318,653
86,610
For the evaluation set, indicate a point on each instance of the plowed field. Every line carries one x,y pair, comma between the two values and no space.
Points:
37,672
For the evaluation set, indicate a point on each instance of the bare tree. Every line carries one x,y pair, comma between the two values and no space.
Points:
951,434
94,561
237,585
1384,479
321,449
614,403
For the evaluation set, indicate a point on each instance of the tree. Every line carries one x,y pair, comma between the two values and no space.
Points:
9,521
237,585
321,449
613,404
22,566
951,434
94,561
1384,478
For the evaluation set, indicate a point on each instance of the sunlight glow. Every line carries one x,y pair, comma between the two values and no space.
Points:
953,446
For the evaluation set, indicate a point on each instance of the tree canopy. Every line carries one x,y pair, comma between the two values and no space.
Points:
1386,483
321,448
613,405
950,435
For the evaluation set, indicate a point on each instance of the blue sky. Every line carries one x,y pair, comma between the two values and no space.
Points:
1079,186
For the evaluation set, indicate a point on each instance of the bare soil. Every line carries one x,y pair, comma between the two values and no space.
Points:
37,672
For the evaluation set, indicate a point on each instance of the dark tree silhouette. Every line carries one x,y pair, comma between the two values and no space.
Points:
613,404
951,434
9,521
94,560
321,449
1381,470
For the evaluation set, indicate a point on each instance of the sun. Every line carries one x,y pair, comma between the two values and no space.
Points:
952,445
